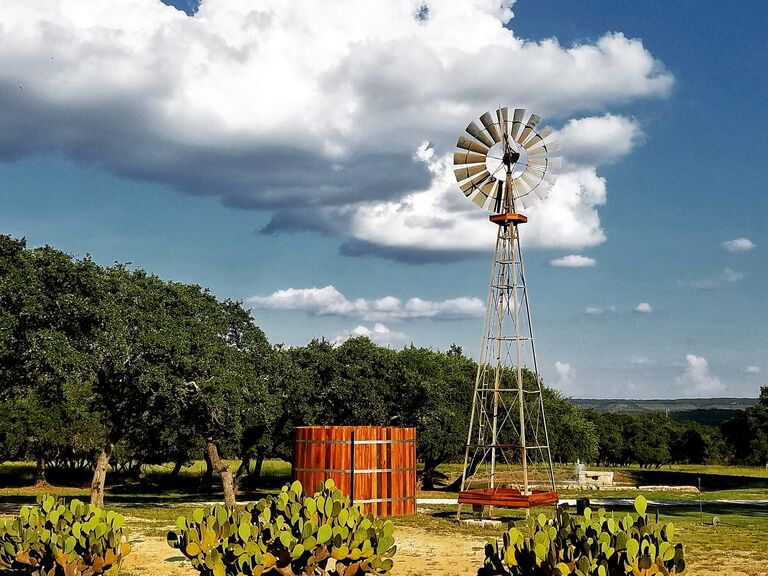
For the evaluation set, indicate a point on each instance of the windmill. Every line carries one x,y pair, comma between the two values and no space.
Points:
503,163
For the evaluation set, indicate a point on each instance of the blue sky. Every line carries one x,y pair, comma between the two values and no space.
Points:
277,155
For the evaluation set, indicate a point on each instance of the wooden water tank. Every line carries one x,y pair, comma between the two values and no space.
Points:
374,465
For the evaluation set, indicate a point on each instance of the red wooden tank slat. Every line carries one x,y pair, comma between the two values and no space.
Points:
384,462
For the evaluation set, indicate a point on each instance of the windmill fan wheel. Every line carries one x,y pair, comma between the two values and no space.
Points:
502,161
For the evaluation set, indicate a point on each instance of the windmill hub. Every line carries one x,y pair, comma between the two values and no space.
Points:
501,145
510,157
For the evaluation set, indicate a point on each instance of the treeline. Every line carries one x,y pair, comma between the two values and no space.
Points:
652,440
110,367
747,433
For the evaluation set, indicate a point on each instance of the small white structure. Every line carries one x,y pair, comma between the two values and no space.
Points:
592,478
581,473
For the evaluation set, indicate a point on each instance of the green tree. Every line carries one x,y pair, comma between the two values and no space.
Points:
612,431
47,314
649,440
694,443
365,386
572,436
230,362
436,399
95,358
176,370
297,378
746,434
135,356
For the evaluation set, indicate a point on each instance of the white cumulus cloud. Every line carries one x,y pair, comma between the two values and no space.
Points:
440,223
599,139
379,333
738,245
725,278
328,301
643,308
564,373
563,376
325,301
752,370
698,378
599,310
573,261
280,105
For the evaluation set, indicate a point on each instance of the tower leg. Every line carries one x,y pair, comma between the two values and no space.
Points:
507,440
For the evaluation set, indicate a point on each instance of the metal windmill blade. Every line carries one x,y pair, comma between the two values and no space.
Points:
468,170
550,165
523,193
479,134
517,122
537,139
503,158
503,115
490,127
474,183
471,145
460,158
547,150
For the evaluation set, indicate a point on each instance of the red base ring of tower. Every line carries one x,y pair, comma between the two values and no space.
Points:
507,497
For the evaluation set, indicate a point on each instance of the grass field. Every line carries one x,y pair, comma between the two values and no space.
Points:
738,545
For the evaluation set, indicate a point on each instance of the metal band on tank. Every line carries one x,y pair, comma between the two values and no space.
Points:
378,500
357,442
358,471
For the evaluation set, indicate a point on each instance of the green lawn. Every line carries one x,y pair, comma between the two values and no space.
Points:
717,482
152,503
741,534
154,486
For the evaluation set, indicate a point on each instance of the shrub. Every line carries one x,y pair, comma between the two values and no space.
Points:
290,534
589,545
53,538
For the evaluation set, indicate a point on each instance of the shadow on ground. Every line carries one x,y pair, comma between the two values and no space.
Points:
709,482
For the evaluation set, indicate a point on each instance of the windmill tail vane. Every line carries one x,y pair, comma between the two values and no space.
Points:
504,161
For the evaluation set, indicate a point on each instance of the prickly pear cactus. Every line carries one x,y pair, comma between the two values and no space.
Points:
289,534
589,545
54,538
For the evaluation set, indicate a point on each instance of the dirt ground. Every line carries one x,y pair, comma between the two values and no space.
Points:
729,563
420,553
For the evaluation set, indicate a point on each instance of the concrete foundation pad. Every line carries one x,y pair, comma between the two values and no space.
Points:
483,523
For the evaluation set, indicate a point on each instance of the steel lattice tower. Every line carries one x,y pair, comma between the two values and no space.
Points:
507,461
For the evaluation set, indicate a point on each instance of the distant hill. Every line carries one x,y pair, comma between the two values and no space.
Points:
710,411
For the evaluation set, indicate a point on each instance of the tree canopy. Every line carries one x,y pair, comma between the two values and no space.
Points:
112,366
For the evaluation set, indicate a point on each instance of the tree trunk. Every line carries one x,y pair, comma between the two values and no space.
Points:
261,452
242,470
428,475
455,486
176,469
100,476
221,468
134,470
208,476
40,472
